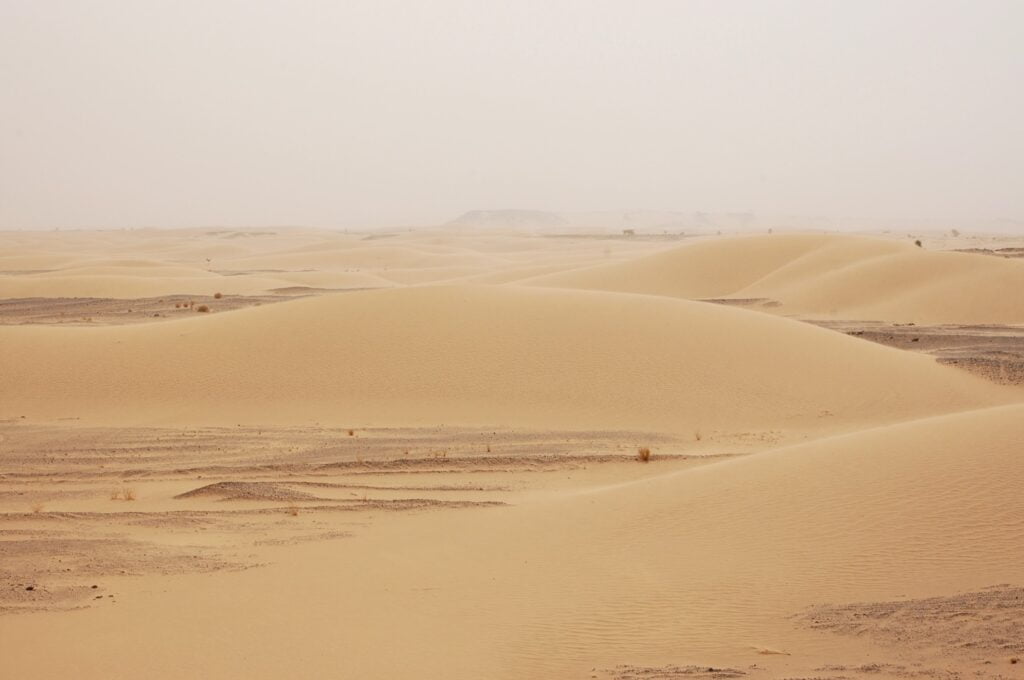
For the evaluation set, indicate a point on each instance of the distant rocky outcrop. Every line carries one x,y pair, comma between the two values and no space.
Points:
509,219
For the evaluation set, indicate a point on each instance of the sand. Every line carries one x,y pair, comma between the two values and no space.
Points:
414,455
823,276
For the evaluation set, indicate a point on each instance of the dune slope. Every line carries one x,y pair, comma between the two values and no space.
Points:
477,355
822,275
704,566
708,564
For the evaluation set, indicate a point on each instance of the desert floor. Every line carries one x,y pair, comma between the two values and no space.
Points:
303,453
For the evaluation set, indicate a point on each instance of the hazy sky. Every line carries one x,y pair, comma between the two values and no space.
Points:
153,113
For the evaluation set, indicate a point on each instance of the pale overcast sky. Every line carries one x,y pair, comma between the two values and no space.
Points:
341,113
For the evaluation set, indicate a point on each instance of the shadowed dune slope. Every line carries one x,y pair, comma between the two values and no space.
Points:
822,275
478,355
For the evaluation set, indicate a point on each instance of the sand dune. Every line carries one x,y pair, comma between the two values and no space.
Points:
136,264
822,275
377,257
129,287
710,566
477,355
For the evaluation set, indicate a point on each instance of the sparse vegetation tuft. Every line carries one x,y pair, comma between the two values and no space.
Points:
917,243
123,494
202,308
217,296
293,510
643,454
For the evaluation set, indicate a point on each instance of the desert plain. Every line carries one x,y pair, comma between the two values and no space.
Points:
511,453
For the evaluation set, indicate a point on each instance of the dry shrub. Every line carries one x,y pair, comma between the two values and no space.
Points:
123,494
643,454
217,296
697,435
293,510
202,308
177,305
351,433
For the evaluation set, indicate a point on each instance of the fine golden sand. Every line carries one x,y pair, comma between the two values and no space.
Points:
419,454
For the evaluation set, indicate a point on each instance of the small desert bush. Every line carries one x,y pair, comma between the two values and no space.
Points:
177,305
643,454
697,435
123,494
351,433
293,510
217,296
202,308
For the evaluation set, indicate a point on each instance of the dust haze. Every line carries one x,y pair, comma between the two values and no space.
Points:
374,114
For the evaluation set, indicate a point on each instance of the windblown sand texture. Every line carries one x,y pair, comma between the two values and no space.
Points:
414,455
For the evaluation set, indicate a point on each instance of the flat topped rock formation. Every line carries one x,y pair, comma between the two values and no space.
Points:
509,219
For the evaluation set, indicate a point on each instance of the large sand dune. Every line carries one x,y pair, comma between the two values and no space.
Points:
709,564
477,355
707,567
822,275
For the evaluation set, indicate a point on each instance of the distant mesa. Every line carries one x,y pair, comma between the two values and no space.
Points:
611,222
504,219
